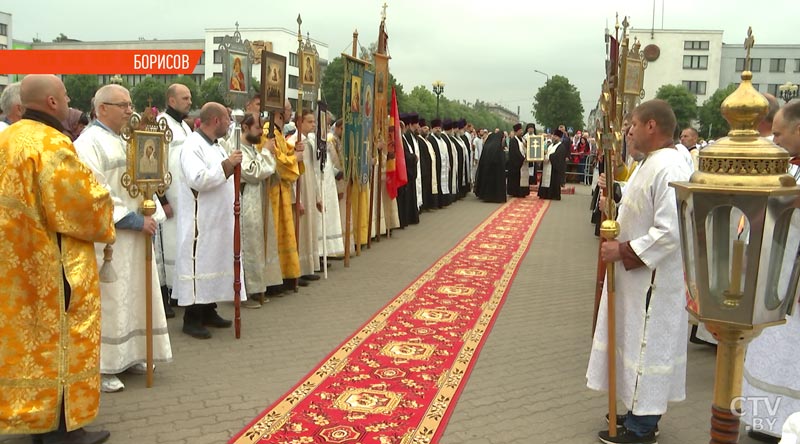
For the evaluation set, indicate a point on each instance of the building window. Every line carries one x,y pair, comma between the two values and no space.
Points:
695,87
756,85
217,40
3,46
755,65
777,65
696,44
293,59
796,65
218,74
772,88
3,29
695,62
202,58
293,81
217,56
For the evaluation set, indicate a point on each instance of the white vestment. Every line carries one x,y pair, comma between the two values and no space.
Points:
771,370
204,265
388,205
123,317
444,153
650,342
418,181
334,239
167,230
308,247
685,155
524,175
259,255
455,182
547,167
426,145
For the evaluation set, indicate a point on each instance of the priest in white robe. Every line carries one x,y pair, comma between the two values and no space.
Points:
310,203
651,319
122,333
179,102
332,243
259,256
771,386
204,265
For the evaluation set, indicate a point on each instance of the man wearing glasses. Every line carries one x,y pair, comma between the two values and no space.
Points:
123,345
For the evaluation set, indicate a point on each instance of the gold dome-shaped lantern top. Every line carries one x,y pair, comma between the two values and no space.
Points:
743,158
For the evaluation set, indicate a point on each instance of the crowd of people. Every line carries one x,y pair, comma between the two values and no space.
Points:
62,187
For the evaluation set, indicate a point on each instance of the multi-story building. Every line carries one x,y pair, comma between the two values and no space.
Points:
772,66
278,40
681,57
6,42
503,112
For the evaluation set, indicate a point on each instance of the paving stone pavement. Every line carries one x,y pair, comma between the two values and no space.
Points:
528,385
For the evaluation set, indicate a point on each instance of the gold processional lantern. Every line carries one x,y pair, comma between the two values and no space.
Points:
735,217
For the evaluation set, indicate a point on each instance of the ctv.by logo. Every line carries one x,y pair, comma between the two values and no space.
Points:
763,411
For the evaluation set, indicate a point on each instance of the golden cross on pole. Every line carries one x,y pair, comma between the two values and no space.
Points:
383,13
748,45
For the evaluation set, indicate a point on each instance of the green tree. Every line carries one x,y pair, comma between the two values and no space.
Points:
209,91
62,38
81,89
255,86
558,102
712,124
149,91
333,85
683,103
189,83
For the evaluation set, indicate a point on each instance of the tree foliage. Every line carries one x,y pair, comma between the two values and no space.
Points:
61,38
333,84
683,103
712,124
81,89
558,102
209,91
150,90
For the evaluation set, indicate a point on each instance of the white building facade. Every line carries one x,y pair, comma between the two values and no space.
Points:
683,57
6,39
772,66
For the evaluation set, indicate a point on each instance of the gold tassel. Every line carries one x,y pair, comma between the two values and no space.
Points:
107,273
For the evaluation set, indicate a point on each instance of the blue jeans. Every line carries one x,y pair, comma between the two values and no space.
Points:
641,425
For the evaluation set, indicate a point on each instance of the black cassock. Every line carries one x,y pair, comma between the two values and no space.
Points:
451,197
407,211
459,160
468,160
443,199
490,183
427,168
515,162
558,162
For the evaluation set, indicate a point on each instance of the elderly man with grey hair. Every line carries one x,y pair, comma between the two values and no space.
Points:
11,105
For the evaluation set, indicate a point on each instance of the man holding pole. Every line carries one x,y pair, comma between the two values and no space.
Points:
650,342
203,269
123,336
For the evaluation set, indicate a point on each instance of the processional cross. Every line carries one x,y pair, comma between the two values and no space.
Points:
748,45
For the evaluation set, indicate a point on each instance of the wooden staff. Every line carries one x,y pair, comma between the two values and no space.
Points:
267,211
237,237
148,209
347,220
609,231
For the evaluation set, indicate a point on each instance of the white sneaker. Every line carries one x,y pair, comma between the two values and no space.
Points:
111,384
139,368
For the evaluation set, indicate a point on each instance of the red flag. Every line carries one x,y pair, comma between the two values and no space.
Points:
398,176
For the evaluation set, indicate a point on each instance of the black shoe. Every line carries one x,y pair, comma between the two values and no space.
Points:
79,436
275,290
303,282
763,437
621,422
212,319
195,331
310,277
625,436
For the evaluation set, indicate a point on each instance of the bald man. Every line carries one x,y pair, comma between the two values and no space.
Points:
52,211
203,268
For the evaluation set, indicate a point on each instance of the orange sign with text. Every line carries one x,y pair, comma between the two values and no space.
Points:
99,61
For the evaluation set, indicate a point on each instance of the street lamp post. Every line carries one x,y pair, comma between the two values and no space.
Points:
787,91
544,74
438,89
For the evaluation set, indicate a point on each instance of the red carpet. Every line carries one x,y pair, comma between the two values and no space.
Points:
396,380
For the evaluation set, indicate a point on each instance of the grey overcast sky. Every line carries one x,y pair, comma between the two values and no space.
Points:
481,49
